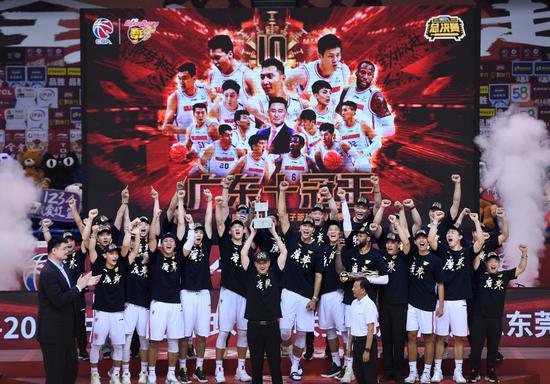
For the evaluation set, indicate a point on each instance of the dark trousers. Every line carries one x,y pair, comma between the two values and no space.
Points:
365,373
489,328
60,363
393,319
264,339
81,335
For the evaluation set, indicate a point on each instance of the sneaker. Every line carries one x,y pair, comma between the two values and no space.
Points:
199,376
348,375
114,380
184,377
438,376
219,376
295,376
332,372
500,356
171,379
458,377
473,377
341,373
95,378
425,378
491,377
300,369
190,350
151,378
241,375
142,378
126,378
84,356
412,378
308,356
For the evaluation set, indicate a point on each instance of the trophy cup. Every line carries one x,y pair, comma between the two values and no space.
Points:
261,221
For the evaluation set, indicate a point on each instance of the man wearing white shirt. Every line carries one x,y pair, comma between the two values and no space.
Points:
363,323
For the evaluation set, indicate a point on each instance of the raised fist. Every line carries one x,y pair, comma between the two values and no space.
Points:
227,180
523,248
385,203
208,194
157,213
181,194
392,219
154,193
125,195
188,218
466,211
397,204
324,192
439,215
373,227
341,193
409,203
284,186
473,216
93,213
95,228
218,199
46,223
455,178
374,180
71,202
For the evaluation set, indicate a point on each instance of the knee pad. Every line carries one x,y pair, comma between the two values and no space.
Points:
117,352
331,334
94,353
300,341
173,346
143,343
242,341
221,340
285,334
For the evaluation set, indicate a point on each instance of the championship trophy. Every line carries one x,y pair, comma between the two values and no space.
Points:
261,221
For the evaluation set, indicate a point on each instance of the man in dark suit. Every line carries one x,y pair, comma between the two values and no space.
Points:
278,134
58,306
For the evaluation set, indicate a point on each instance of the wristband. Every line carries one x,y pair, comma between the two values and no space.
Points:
315,298
413,207
367,349
191,225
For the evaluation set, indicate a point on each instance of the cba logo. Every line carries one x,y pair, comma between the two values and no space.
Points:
102,30
32,272
139,31
521,93
444,27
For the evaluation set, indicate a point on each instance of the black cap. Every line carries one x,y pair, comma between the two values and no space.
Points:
199,226
104,228
110,248
365,229
242,206
492,255
144,219
68,234
436,205
308,220
236,221
362,200
333,222
318,207
421,232
168,235
458,229
261,256
392,237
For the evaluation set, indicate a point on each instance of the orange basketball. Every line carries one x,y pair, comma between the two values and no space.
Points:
178,153
332,160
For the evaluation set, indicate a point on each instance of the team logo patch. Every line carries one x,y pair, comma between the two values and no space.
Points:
140,30
102,29
444,27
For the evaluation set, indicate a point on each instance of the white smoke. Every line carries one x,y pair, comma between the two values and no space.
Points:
17,244
516,151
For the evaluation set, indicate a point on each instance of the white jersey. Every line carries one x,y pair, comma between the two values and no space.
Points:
293,109
199,136
311,140
336,79
222,161
293,167
184,111
354,136
227,116
240,141
254,168
363,99
347,165
238,75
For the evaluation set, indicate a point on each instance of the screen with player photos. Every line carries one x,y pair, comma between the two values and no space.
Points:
316,97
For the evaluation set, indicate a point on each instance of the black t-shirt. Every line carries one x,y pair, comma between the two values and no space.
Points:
138,284
490,245
303,261
233,274
457,271
166,273
266,242
491,291
397,289
354,261
196,270
76,264
442,228
425,272
331,280
320,235
109,292
351,239
263,294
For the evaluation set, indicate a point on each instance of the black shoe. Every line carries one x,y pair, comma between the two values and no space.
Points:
500,356
491,376
199,376
84,356
295,376
134,355
190,350
332,372
341,373
308,356
473,377
184,377
398,378
386,377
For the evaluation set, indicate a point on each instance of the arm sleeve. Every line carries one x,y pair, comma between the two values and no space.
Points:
346,216
380,280
190,238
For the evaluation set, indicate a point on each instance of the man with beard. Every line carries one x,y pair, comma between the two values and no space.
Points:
358,261
425,274
272,80
295,163
254,163
219,157
370,100
278,134
201,132
301,284
457,271
232,301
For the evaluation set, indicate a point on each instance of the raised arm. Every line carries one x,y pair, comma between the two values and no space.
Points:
76,215
478,245
417,219
325,192
92,214
376,229
45,227
180,186
208,214
403,233
180,231
245,260
346,217
463,213
152,236
456,196
188,246
432,234
380,211
281,207
402,216
134,229
126,240
93,241
503,225
377,195
220,220
283,252
226,183
124,199
523,262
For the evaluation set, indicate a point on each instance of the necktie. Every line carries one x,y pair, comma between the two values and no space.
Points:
272,136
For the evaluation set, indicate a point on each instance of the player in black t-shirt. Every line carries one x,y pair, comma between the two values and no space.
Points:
302,283
450,217
263,307
109,303
489,308
457,272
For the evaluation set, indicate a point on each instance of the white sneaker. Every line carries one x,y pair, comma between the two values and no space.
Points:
171,379
126,378
219,376
241,375
152,378
412,378
438,375
458,377
114,379
95,378
425,378
142,378
347,378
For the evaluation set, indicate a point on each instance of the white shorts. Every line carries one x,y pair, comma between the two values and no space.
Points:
293,308
331,311
196,314
455,315
165,319
108,324
418,319
136,318
231,307
347,316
